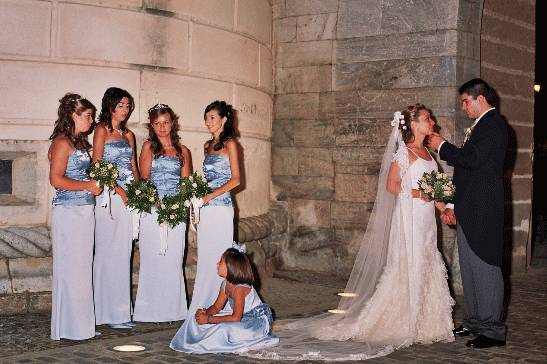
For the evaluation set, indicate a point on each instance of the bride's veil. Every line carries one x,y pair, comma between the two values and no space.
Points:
338,336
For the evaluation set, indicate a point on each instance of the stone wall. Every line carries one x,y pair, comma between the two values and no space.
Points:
508,63
182,53
342,68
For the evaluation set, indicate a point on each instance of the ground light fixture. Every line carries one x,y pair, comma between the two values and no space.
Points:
337,311
128,348
347,294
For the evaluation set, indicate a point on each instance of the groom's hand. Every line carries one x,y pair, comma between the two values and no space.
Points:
434,141
448,217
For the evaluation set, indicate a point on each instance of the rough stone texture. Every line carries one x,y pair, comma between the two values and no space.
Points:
316,27
507,56
382,56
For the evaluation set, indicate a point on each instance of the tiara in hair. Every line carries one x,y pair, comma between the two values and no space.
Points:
239,247
158,107
398,118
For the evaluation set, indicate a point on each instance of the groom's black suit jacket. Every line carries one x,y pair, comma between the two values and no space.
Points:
478,176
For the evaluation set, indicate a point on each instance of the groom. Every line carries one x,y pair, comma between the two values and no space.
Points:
478,169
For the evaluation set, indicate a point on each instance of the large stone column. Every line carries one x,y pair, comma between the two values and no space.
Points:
342,68
182,53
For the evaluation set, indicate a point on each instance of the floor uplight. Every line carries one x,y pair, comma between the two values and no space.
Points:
347,294
129,348
337,311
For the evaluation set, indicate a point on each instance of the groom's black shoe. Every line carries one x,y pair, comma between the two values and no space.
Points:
483,342
462,331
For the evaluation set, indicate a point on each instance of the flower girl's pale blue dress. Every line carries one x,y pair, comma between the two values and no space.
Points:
251,333
215,233
161,294
72,227
113,244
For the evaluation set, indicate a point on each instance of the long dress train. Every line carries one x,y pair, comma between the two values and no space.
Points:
398,285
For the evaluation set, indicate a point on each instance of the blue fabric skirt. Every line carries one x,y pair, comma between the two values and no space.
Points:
253,332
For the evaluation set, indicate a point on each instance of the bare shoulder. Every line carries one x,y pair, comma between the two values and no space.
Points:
100,129
61,142
231,144
147,145
185,149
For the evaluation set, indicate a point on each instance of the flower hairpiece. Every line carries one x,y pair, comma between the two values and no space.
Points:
398,118
158,107
239,247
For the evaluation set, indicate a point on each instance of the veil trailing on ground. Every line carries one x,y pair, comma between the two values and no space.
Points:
345,335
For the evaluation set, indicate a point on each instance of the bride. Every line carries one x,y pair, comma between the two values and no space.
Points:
397,294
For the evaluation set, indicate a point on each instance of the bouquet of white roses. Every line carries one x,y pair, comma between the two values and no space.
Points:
437,186
193,186
104,172
192,189
171,211
142,195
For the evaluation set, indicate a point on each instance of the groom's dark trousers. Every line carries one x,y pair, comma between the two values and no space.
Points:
483,292
479,204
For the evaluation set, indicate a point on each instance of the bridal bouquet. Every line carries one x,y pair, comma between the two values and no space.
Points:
171,211
104,172
142,195
437,186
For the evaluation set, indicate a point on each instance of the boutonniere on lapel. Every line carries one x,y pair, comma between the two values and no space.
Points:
467,132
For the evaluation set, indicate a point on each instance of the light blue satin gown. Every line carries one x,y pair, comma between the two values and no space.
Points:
215,233
113,244
161,293
72,228
253,332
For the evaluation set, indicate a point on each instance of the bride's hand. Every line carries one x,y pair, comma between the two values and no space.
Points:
440,205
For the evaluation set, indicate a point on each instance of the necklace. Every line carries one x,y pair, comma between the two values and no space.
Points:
120,131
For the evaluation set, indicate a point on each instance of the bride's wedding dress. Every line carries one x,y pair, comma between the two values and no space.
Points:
398,285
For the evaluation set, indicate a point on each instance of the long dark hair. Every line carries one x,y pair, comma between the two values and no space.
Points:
238,265
64,125
112,96
157,148
410,114
229,131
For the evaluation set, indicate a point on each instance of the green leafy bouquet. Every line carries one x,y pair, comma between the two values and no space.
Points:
142,195
194,186
437,186
171,211
104,172
192,189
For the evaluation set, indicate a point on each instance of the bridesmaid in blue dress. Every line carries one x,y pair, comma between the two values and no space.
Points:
114,142
161,294
215,231
72,222
238,321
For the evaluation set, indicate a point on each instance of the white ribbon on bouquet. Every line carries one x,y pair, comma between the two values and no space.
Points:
164,232
195,204
136,216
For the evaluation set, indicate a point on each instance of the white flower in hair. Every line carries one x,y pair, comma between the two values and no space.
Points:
398,117
239,247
